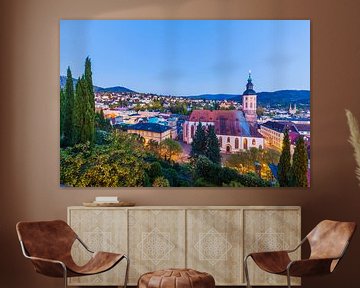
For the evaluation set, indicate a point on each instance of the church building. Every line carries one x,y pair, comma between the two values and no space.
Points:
235,129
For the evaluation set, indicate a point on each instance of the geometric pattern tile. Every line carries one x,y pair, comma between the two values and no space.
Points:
269,241
156,246
213,246
99,240
214,243
156,241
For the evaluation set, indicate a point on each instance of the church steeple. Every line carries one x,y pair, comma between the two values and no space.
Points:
249,86
249,101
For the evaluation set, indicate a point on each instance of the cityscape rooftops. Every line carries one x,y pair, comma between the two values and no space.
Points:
280,126
151,127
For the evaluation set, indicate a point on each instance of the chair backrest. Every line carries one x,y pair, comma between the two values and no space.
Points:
46,239
329,239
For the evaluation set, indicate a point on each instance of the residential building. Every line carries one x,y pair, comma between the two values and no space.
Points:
151,131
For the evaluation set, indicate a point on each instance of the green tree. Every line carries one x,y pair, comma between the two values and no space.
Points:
118,163
153,147
284,165
212,146
101,122
260,111
88,78
83,114
198,146
62,112
161,182
154,171
68,110
299,165
170,148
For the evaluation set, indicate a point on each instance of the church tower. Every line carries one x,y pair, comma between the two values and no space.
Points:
249,103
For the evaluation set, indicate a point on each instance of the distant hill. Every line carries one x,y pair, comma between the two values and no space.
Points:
281,97
116,89
215,96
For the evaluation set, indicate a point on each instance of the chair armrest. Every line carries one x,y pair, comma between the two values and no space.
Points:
49,267
309,267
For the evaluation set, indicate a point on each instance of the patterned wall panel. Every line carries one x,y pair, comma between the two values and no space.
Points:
214,244
156,240
270,230
101,230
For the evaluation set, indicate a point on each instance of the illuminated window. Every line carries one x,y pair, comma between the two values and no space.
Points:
236,143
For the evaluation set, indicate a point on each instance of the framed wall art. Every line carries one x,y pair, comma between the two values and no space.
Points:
185,103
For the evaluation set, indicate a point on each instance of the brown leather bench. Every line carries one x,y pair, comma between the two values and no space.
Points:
176,278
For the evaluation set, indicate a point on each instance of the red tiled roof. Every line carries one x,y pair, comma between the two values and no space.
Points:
227,122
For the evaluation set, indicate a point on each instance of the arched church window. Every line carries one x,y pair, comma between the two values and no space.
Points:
228,139
192,131
220,141
236,143
245,144
253,142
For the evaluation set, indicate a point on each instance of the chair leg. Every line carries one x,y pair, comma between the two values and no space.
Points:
246,270
288,279
65,277
126,271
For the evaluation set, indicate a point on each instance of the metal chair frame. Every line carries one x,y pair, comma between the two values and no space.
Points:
26,255
288,276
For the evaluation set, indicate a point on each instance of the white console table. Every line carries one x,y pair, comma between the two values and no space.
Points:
211,239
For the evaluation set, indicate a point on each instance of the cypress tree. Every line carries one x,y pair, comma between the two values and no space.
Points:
78,113
284,162
84,116
62,112
299,165
88,77
198,146
68,109
213,146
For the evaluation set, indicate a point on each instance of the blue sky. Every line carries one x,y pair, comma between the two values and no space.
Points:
189,57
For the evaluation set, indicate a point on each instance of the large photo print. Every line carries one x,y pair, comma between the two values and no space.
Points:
185,103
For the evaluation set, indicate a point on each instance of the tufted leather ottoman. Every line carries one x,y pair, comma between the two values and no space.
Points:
176,278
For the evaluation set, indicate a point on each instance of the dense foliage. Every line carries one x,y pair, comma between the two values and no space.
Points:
285,162
299,165
120,162
67,113
198,145
207,173
254,160
212,146
206,143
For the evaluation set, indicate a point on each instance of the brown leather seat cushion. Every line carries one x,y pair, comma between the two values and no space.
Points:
176,278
